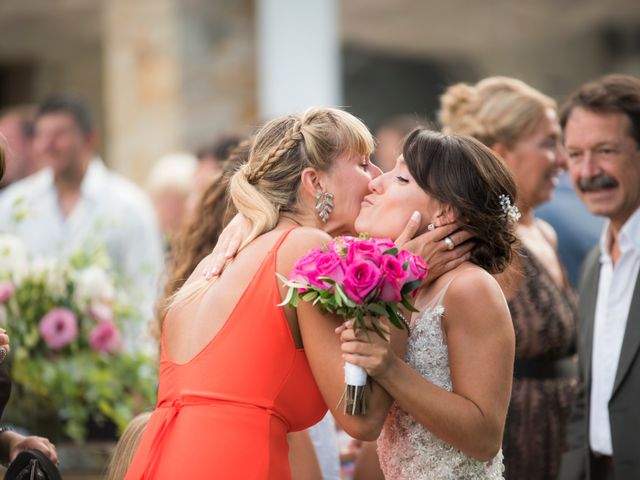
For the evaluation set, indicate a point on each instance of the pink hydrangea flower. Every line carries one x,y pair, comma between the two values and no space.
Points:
59,328
7,290
105,338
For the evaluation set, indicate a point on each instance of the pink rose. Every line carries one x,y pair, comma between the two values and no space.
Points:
105,338
7,289
330,265
360,279
384,244
340,245
417,269
305,271
364,250
59,328
393,278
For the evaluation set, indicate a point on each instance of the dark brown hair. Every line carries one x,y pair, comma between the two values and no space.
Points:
613,93
462,172
220,148
199,234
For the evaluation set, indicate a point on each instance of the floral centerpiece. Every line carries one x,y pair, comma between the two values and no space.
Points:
362,279
68,366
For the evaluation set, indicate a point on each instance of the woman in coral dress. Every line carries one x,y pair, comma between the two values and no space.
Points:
237,372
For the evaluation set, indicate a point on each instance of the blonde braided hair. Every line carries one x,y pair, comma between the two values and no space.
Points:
291,139
268,183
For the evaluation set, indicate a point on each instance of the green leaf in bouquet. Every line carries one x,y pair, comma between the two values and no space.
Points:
309,296
377,309
290,283
358,322
377,329
288,297
410,286
295,298
345,299
337,298
407,304
392,310
391,251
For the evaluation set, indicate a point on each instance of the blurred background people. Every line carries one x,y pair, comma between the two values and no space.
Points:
16,134
212,159
76,203
389,139
521,125
170,182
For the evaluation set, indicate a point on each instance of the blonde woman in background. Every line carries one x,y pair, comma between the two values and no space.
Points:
521,125
169,184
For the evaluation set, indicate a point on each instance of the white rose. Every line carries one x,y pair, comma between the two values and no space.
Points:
93,285
13,256
56,280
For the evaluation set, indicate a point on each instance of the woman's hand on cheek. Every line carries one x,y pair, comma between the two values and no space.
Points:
431,246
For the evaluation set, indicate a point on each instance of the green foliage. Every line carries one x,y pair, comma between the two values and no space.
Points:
57,392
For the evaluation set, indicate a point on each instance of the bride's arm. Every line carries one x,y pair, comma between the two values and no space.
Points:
481,345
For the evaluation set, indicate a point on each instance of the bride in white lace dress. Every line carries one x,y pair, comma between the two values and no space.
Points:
452,387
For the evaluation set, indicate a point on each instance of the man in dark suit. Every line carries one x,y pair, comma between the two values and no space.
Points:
601,123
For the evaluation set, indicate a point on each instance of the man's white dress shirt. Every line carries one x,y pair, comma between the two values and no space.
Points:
111,213
615,291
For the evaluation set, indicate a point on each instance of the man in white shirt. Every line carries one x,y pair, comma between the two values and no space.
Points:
601,123
76,203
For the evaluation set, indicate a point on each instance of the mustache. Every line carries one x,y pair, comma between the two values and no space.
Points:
596,183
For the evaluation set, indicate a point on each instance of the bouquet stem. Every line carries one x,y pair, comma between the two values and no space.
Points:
355,378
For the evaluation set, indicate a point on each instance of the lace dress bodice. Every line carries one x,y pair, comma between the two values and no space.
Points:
407,450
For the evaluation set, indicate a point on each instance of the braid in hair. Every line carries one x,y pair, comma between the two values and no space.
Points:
291,139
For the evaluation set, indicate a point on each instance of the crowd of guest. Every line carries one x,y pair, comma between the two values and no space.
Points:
572,288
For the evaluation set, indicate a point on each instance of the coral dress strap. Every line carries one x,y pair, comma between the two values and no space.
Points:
282,238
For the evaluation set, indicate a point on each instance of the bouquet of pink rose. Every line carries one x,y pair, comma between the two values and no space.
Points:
361,279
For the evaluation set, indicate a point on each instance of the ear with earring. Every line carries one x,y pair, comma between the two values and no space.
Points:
324,205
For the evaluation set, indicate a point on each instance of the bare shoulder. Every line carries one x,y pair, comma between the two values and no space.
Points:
474,294
300,242
548,232
303,239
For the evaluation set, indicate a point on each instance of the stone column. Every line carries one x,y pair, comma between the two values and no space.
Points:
177,72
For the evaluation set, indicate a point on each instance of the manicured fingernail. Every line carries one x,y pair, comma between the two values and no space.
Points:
415,216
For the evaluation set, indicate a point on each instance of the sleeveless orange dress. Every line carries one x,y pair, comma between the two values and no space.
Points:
225,414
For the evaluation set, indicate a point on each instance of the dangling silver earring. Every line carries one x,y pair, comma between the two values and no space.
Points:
324,205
